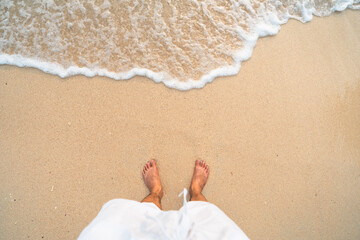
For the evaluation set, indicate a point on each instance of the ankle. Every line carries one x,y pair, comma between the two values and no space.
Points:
157,192
194,191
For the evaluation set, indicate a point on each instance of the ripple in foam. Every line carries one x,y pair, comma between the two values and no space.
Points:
183,44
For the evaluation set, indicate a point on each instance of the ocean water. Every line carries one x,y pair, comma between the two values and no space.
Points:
183,44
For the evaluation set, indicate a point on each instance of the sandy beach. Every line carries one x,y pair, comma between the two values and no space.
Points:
282,139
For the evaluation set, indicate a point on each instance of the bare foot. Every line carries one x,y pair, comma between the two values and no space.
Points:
152,179
200,177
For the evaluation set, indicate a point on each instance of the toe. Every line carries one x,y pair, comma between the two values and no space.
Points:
197,162
152,162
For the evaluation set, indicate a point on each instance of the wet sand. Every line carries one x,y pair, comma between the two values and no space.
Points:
282,139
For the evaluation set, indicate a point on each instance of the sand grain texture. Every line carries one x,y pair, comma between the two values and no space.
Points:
282,139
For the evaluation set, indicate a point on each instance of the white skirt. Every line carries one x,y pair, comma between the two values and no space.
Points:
128,219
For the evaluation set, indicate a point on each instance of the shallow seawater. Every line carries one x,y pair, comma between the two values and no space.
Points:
183,44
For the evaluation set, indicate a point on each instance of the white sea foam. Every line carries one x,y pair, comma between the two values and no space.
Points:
183,44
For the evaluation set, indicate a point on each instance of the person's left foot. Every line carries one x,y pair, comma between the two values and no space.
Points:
200,177
152,179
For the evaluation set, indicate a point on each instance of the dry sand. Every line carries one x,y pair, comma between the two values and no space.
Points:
282,139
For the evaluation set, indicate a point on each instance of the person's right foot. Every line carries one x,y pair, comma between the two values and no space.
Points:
200,177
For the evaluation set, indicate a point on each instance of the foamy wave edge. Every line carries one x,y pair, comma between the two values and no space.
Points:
263,29
59,70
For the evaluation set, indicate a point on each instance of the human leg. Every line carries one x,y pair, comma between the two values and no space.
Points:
152,181
199,179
